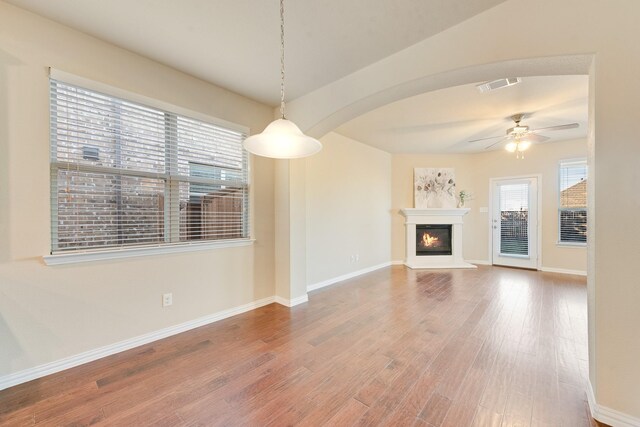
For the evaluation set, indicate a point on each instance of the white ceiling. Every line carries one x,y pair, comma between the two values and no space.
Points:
444,121
235,44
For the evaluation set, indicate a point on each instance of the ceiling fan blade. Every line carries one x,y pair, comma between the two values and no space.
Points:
496,143
559,127
533,137
484,139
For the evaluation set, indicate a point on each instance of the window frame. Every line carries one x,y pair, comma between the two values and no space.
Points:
97,254
560,242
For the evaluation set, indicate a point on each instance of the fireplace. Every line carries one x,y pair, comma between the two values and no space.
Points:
433,239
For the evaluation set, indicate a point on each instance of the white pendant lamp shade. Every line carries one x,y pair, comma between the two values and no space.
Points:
282,139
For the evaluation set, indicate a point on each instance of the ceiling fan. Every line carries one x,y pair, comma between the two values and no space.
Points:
520,137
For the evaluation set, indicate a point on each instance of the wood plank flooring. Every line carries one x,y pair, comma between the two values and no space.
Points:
396,347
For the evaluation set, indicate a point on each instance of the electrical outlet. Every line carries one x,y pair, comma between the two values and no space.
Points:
167,300
357,257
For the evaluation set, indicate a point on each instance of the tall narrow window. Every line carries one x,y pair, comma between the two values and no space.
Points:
572,215
124,174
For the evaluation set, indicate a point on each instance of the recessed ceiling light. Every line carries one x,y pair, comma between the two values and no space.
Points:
498,84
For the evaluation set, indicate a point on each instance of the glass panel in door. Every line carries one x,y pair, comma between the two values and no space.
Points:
514,222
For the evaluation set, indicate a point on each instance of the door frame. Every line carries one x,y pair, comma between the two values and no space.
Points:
492,181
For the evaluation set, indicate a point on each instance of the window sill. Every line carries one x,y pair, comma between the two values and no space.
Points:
571,245
109,254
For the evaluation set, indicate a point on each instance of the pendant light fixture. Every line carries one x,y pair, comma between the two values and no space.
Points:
282,139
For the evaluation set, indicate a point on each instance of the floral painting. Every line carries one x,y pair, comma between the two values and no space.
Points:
434,188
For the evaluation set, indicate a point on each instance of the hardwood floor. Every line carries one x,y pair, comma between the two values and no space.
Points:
396,347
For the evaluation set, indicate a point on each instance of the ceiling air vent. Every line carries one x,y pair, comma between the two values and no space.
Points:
498,84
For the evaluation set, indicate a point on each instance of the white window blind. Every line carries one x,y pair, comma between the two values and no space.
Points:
514,219
124,174
572,212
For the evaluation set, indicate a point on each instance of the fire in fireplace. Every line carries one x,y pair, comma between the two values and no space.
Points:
433,239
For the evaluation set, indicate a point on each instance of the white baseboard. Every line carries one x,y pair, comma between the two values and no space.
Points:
346,276
292,302
478,261
607,415
563,271
20,377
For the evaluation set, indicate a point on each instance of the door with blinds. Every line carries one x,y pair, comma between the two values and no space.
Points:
514,222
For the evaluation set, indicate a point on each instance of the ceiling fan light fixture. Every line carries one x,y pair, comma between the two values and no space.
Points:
521,137
282,139
524,145
518,130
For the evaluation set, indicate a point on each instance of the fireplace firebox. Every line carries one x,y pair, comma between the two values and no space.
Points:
433,239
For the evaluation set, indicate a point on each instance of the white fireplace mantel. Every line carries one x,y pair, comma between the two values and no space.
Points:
414,216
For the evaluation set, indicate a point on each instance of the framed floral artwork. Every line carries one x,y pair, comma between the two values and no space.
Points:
434,188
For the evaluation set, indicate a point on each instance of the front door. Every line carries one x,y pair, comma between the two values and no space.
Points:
514,222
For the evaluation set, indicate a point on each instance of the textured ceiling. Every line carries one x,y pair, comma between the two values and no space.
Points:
445,120
235,43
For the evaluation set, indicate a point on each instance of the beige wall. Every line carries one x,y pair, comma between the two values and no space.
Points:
47,313
348,195
473,172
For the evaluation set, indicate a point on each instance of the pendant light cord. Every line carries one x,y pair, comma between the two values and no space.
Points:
282,59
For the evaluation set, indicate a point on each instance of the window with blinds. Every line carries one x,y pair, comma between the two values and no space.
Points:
125,174
514,219
572,212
